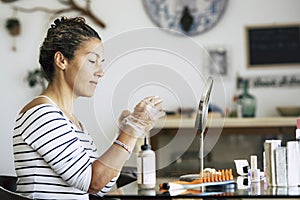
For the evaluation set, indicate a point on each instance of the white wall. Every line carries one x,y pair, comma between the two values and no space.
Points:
127,16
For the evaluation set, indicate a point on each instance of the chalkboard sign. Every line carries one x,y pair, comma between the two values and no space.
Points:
273,45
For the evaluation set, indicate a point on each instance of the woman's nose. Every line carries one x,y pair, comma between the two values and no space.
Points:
99,71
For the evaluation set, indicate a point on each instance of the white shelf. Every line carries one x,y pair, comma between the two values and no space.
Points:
184,122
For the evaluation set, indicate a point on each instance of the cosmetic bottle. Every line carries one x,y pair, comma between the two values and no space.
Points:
292,151
254,172
146,167
298,139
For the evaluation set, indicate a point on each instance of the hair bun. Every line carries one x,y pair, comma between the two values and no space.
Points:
57,22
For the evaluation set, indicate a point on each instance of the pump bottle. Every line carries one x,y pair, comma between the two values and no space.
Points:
146,167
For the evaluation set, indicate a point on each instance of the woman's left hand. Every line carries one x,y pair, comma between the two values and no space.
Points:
145,115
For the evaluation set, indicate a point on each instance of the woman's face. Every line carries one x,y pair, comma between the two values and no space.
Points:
85,69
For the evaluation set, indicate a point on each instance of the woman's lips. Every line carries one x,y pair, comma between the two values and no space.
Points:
94,83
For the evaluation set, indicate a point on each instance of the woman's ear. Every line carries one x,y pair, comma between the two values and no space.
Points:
60,60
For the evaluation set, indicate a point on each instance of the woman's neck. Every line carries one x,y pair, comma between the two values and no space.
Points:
63,97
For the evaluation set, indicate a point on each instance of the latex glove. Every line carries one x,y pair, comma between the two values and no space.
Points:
145,115
123,115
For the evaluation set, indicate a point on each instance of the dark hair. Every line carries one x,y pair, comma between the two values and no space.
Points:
65,35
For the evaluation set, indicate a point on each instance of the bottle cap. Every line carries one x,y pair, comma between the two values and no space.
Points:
146,146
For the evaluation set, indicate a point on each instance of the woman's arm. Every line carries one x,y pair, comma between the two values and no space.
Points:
133,125
109,164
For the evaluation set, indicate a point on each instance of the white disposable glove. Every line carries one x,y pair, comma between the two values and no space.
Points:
124,114
145,115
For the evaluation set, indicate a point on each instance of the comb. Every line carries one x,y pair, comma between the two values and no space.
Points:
220,177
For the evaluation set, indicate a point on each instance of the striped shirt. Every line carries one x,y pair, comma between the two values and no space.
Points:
53,158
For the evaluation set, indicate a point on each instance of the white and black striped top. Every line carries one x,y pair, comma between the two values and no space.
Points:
52,156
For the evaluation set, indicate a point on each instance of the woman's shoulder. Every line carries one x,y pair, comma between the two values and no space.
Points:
36,102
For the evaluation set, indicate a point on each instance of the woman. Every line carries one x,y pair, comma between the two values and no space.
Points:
55,157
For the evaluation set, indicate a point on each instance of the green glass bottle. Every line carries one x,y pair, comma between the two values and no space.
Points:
247,101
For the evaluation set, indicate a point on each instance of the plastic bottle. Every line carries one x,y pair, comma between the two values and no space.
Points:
146,167
254,173
298,139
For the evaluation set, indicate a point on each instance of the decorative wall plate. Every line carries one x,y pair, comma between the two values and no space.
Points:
190,17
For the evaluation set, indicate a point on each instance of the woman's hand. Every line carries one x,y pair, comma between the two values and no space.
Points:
133,125
124,114
145,115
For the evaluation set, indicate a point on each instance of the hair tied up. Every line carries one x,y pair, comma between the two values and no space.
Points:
57,22
65,35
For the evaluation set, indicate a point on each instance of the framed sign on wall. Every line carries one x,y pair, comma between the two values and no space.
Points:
273,45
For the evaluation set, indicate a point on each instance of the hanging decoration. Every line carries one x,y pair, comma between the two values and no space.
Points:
36,77
13,26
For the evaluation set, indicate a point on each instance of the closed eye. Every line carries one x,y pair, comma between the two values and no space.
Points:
92,61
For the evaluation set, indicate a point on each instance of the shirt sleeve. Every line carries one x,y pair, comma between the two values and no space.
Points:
107,188
49,133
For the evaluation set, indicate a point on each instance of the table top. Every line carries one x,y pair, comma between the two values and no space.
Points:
254,190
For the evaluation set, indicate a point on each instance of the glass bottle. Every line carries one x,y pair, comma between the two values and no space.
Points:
233,107
246,101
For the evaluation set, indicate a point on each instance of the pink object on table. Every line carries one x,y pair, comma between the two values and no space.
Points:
298,129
